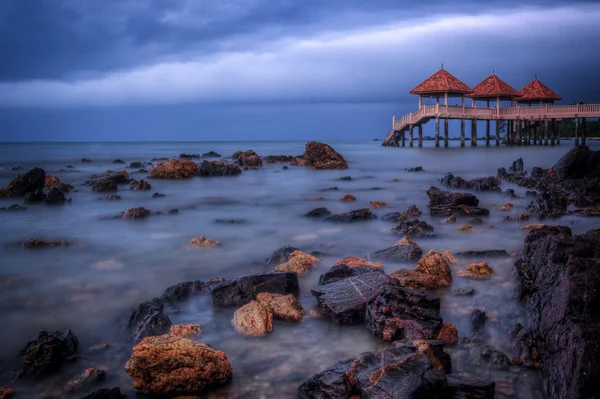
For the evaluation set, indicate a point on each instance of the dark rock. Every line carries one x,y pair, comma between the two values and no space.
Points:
480,184
285,168
415,169
56,197
121,177
345,300
85,160
322,156
13,208
531,193
113,197
280,255
148,320
402,251
85,380
118,161
113,393
462,387
35,197
47,353
218,168
244,289
344,178
211,154
183,291
173,211
141,185
484,253
231,221
189,156
136,165
329,189
578,163
439,198
476,221
247,158
526,344
414,229
158,195
400,313
37,243
434,350
318,213
463,291
30,182
105,186
392,217
478,319
278,158
549,204
136,213
340,272
329,384
517,166
484,355
352,216
510,193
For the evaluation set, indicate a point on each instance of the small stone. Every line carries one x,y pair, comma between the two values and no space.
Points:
449,219
141,185
299,262
506,206
467,228
158,195
348,197
253,319
185,330
317,198
448,334
477,270
113,197
378,204
283,307
463,291
203,242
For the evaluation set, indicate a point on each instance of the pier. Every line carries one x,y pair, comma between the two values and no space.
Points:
531,117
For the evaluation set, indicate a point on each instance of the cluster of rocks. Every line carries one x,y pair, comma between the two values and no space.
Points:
320,156
30,186
247,159
482,184
210,154
142,213
402,251
450,203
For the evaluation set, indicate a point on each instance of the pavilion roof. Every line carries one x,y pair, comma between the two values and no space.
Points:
441,82
493,87
537,91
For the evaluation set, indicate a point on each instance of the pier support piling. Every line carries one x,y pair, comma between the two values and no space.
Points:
552,132
462,132
410,136
446,132
473,132
497,132
576,131
539,134
420,135
403,138
487,132
558,132
583,133
437,131
546,131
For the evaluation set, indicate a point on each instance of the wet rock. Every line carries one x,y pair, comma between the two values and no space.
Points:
278,158
85,380
463,387
283,307
579,162
253,319
523,217
392,217
397,313
345,178
414,229
477,270
378,204
37,243
280,255
478,319
299,161
218,168
173,365
175,169
141,185
113,197
432,349
449,219
484,253
47,353
448,334
54,182
211,154
35,197
484,355
318,213
299,262
510,193
343,271
411,213
345,301
86,160
348,197
185,330
517,166
467,228
481,184
446,203
56,197
148,320
158,195
247,158
244,289
13,208
476,221
506,206
183,291
463,291
105,186
113,393
135,213
203,242
404,250
121,177
6,393
136,165
527,346
189,156
353,261
415,169
352,216
322,156
30,182
432,272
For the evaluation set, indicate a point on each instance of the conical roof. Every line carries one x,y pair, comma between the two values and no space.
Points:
493,87
537,91
441,82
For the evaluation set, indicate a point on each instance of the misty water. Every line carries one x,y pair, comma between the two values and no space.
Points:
115,264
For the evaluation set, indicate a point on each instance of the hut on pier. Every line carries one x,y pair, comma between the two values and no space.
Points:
535,92
441,84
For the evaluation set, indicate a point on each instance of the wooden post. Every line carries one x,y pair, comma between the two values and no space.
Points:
420,135
583,133
437,131
446,132
497,132
487,127
403,138
534,133
462,132
473,132
546,131
558,132
518,135
553,132
540,137
410,136
526,133
576,131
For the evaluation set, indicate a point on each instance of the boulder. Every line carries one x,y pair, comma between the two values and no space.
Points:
348,198
148,320
448,334
478,320
378,204
35,197
202,241
211,154
105,186
414,229
278,158
299,161
185,330
280,255
113,393
54,182
56,197
141,185
580,162
244,289
343,271
436,264
37,243
135,213
253,319
172,365
439,198
136,165
318,213
47,353
322,156
484,253
481,184
29,182
175,169
404,250
85,380
353,261
517,166
218,168
283,307
299,262
397,313
477,270
352,216
121,177
411,213
183,291
247,158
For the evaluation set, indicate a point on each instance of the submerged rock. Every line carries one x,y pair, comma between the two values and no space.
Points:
203,242
211,154
13,208
141,185
404,250
173,365
449,219
478,319
299,262
415,169
378,204
484,355
135,213
105,186
480,184
158,195
183,291
218,168
477,270
322,156
86,379
466,228
148,320
244,289
352,216
318,213
175,169
348,197
247,158
278,158
30,182
414,229
47,353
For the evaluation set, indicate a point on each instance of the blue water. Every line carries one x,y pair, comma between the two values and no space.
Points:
116,264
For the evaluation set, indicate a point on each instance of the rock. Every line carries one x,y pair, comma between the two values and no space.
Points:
487,356
203,242
411,213
527,346
158,195
280,255
415,169
113,197
141,185
35,197
136,165
318,213
378,204
343,271
432,349
6,393
348,197
476,221
121,177
172,365
506,206
531,193
247,158
13,208
344,178
175,169
448,334
414,229
189,156
148,320
183,291
54,182
278,158
218,168
463,291
353,261
510,193
478,319
172,211
392,217
463,387
113,393
397,313
211,154
484,253
135,213
533,226
283,307
37,243
435,264
30,182
467,228
404,250
118,161
438,198
523,217
580,162
481,184
330,189
558,278
449,219
322,156
88,378
105,186
285,168
253,319
517,166
47,353
299,262
299,161
56,197
230,221
345,301
352,216
185,330
244,289
85,160
477,270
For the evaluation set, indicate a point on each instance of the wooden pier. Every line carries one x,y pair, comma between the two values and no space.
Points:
531,119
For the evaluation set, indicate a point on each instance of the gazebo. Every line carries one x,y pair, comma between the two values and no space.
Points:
536,92
441,84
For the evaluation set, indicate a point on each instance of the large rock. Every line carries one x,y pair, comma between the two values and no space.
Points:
47,353
402,251
218,168
343,271
147,320
345,300
247,158
578,163
244,289
283,307
35,197
175,169
481,184
280,255
56,197
174,365
559,281
253,319
54,182
322,156
414,229
352,216
400,313
447,203
121,177
28,183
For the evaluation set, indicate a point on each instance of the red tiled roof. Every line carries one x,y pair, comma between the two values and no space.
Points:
536,91
493,87
441,82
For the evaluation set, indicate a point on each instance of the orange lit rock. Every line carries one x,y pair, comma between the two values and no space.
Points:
348,197
175,169
467,228
477,270
506,206
298,262
378,204
283,307
353,261
253,319
448,334
185,330
449,219
203,242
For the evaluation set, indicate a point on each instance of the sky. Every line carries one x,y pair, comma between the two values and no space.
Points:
133,70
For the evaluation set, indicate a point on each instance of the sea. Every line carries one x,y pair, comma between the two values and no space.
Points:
114,264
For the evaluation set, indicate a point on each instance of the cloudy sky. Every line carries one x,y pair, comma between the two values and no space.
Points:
269,69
